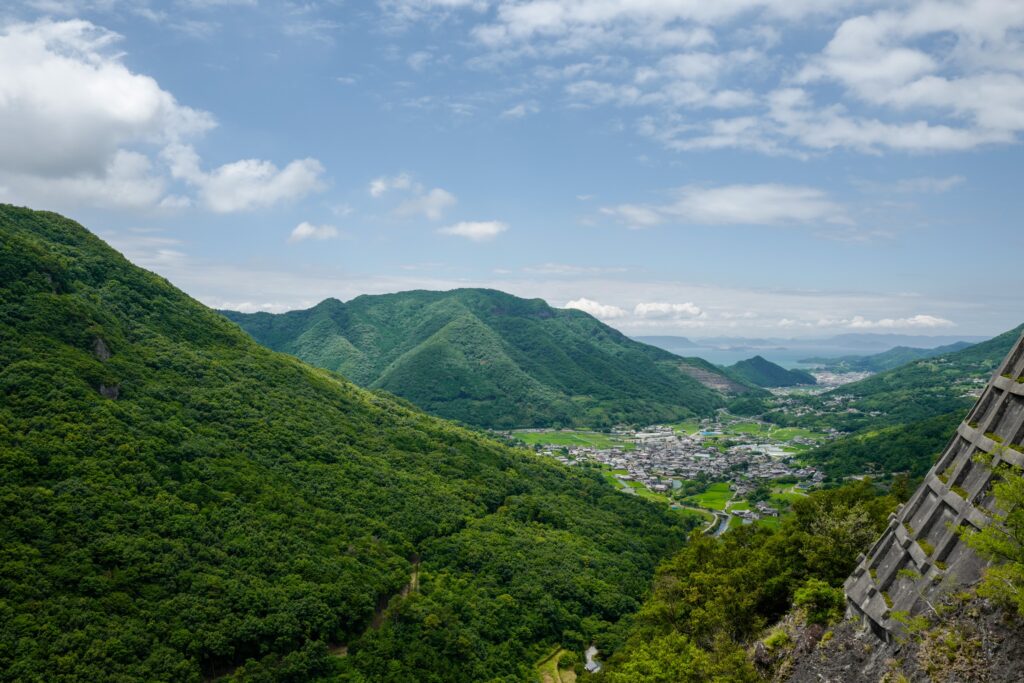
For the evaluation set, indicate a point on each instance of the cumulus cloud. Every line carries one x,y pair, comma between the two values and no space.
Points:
598,310
128,181
244,185
68,104
914,76
307,231
667,310
70,110
475,231
384,184
419,200
76,122
431,204
635,215
858,322
764,204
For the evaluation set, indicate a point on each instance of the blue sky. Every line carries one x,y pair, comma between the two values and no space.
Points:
743,167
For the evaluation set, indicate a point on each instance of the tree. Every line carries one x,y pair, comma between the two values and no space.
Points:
1002,541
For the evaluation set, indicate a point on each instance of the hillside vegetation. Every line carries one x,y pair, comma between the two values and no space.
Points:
886,360
715,598
764,373
178,501
902,418
490,359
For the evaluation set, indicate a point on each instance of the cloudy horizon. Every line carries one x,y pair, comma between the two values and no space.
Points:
752,168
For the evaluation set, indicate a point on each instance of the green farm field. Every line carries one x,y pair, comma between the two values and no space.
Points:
714,498
569,437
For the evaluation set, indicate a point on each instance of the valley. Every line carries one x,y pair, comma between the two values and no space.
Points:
511,341
726,469
378,539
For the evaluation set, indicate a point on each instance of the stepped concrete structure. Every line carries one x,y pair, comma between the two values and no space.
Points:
921,555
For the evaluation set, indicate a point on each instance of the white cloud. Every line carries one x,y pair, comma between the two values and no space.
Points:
520,110
928,185
600,311
569,269
764,204
246,184
252,307
913,76
68,104
419,60
476,231
634,215
575,25
858,322
70,110
423,202
667,310
384,184
431,204
149,248
127,182
748,311
76,120
308,231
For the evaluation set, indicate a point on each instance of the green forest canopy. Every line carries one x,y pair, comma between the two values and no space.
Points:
178,501
491,359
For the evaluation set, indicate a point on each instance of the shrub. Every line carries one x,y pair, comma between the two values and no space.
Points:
568,660
777,639
822,602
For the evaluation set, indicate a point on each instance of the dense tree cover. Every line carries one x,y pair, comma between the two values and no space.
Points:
491,359
762,372
899,420
1002,542
717,595
178,500
916,391
910,448
748,405
886,360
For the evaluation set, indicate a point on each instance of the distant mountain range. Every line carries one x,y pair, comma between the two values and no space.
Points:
907,414
490,359
764,373
793,352
880,362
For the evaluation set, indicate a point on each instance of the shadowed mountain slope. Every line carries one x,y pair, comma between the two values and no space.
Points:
764,373
178,501
491,359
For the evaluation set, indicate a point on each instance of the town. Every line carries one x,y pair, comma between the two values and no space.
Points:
716,466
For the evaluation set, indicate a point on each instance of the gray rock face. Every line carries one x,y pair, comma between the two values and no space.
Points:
100,349
921,556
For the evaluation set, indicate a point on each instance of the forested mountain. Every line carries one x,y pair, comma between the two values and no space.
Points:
764,373
178,501
887,360
491,359
714,599
903,417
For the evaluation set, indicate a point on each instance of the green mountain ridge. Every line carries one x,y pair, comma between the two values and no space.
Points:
490,359
180,503
886,360
916,407
763,373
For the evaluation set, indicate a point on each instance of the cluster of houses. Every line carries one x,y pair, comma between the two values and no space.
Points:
663,458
